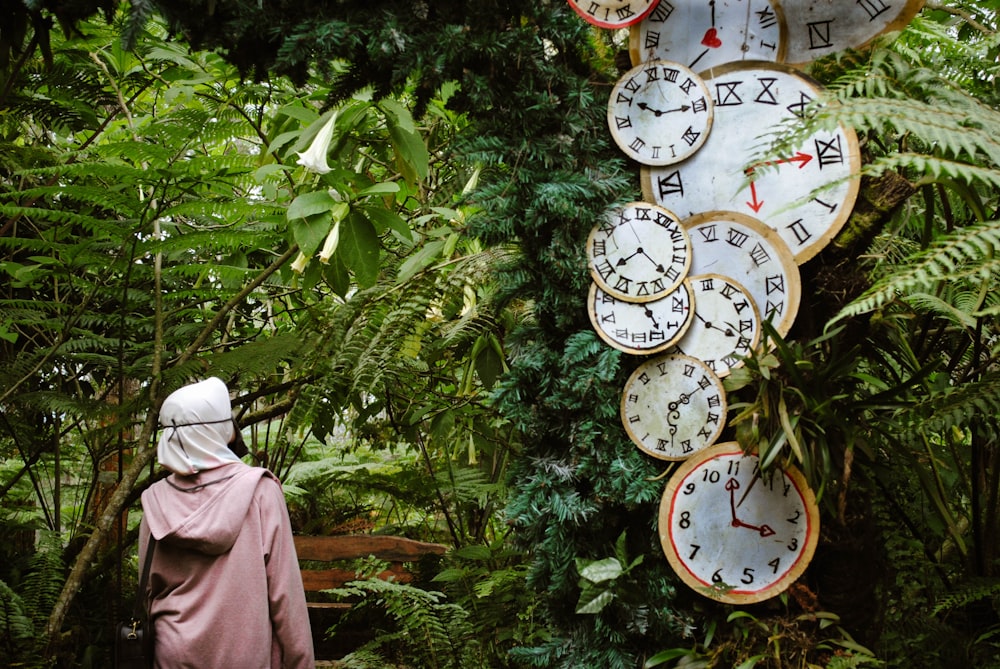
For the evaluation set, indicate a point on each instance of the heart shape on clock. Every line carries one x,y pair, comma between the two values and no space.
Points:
711,39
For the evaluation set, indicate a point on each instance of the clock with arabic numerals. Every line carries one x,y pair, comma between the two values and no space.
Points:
726,324
706,33
639,252
806,192
640,328
612,13
818,28
660,112
673,406
733,533
744,249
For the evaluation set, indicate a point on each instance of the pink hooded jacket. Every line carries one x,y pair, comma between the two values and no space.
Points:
225,588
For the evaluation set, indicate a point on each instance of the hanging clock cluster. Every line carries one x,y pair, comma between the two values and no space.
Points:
686,276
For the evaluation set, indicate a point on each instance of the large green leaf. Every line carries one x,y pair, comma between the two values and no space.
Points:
359,248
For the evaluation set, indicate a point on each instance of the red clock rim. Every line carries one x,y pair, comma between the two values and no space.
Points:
735,596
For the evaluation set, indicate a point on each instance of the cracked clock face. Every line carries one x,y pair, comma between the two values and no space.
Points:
673,406
806,193
660,112
726,325
733,533
706,33
639,252
612,13
640,328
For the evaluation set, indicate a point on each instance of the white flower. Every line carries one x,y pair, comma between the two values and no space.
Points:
331,243
314,157
300,263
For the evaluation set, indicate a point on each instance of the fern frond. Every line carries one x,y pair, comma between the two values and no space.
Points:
968,593
969,253
957,407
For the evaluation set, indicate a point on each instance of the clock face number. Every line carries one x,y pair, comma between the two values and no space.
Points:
706,33
734,533
612,13
726,324
641,328
817,29
639,252
673,406
806,194
660,112
754,256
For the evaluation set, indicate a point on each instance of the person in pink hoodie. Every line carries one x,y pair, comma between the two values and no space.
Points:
224,586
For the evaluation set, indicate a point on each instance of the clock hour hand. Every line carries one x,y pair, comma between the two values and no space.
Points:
660,112
649,314
732,485
712,326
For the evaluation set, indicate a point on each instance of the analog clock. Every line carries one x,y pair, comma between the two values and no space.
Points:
706,33
660,112
641,328
744,249
733,533
672,406
820,27
639,252
612,13
806,193
726,324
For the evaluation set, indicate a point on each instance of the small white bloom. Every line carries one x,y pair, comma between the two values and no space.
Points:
314,157
300,263
330,245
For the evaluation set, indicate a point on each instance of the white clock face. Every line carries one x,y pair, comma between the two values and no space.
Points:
733,534
640,328
639,252
706,33
673,406
659,112
818,28
726,325
612,13
753,255
806,194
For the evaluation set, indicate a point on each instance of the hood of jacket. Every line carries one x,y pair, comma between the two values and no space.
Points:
197,425
205,512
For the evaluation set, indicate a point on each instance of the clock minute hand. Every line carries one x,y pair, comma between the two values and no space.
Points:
661,112
732,485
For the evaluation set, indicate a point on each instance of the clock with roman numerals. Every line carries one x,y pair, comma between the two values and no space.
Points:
673,406
805,192
706,33
818,28
640,328
726,324
639,252
660,112
734,533
612,13
743,249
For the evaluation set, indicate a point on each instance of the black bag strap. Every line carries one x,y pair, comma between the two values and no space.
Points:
140,594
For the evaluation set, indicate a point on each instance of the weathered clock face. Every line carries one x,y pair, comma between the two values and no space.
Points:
806,194
641,328
672,406
752,254
612,13
818,28
726,325
732,533
639,252
707,33
660,112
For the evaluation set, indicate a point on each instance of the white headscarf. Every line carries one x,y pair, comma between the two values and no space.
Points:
197,424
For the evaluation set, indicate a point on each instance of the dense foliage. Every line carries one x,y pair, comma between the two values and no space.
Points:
156,226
